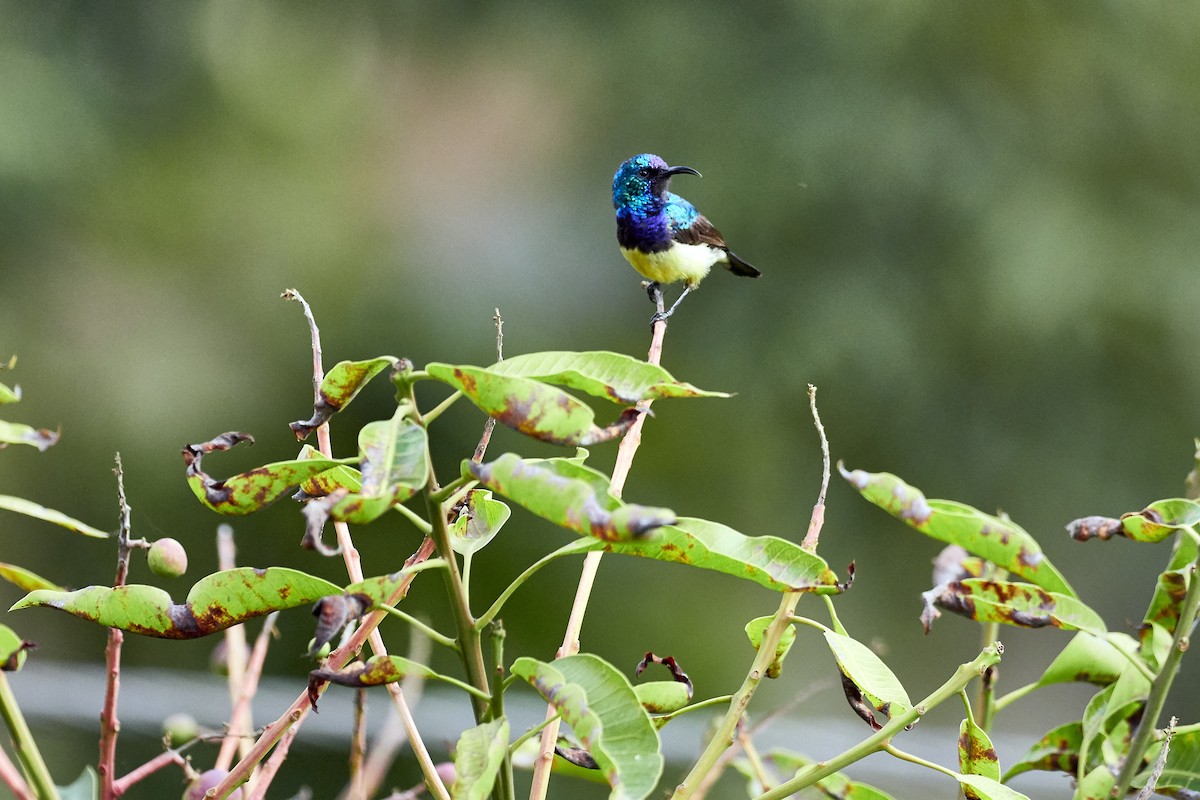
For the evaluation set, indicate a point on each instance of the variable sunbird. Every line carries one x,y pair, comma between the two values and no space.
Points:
662,235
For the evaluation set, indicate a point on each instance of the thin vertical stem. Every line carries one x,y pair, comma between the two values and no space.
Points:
591,565
1161,685
23,743
110,726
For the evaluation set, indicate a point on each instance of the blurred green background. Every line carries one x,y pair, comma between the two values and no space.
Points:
977,224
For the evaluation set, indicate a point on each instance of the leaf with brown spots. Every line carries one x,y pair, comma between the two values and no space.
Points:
338,388
377,671
866,680
250,491
1020,604
778,564
1091,659
531,407
1161,519
756,628
1057,751
568,494
601,706
215,603
12,650
1162,614
16,433
613,376
999,540
976,755
394,464
382,589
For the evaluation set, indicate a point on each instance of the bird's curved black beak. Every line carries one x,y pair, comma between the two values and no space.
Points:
669,171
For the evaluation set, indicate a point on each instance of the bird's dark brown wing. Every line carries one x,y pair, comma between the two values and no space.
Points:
701,231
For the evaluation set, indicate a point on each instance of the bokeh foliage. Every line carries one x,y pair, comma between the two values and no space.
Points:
976,223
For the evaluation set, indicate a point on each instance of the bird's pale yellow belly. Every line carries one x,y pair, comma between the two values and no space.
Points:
689,263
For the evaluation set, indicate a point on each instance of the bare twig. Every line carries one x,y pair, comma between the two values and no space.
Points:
163,759
1160,763
387,744
109,724
490,425
239,719
818,512
235,662
722,736
267,773
591,565
318,370
358,746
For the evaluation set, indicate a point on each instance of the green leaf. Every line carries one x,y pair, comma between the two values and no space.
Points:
248,492
331,480
477,759
12,649
25,579
338,388
866,677
22,506
976,755
1091,659
568,494
1160,519
529,406
480,520
1020,604
8,395
755,629
599,703
1112,705
663,697
1182,770
1000,541
1163,612
393,456
382,589
1096,785
1057,751
16,433
214,603
613,376
769,561
984,788
85,787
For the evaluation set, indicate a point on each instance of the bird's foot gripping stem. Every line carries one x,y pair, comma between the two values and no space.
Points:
661,316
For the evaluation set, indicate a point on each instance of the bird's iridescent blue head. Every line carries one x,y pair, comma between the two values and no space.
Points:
642,181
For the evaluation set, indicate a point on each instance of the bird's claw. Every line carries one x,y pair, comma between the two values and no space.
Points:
660,316
653,291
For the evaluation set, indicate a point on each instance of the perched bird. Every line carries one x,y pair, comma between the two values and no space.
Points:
662,235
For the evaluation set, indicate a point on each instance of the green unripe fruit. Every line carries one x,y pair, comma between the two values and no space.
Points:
322,653
180,728
167,558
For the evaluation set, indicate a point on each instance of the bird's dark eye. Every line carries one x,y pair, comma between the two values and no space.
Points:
644,172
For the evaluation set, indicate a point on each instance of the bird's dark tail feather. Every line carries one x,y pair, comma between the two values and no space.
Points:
739,267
